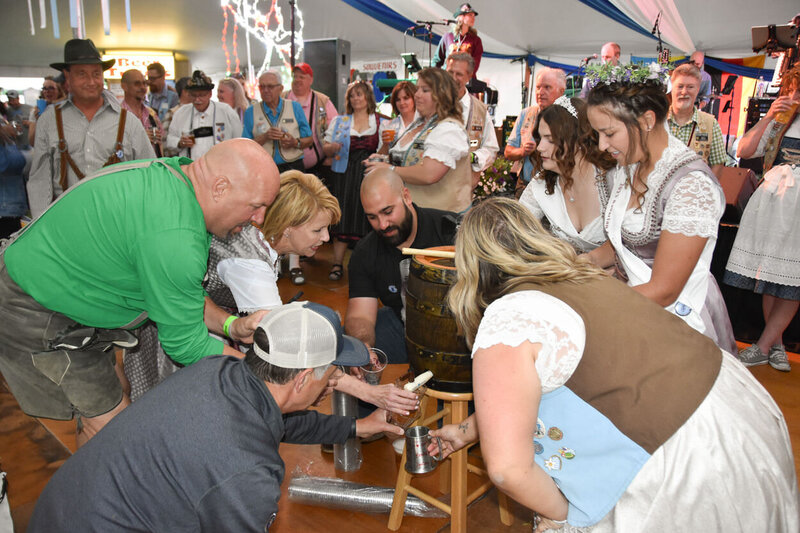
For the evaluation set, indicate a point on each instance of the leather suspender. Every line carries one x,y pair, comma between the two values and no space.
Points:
66,158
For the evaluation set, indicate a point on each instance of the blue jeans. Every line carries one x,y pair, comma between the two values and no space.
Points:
390,336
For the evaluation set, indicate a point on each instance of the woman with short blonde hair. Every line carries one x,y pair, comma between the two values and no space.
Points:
300,197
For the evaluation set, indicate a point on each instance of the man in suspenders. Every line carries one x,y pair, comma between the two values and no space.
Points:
697,129
83,133
483,145
277,124
127,244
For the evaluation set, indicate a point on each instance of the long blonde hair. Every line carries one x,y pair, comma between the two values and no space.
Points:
500,245
300,197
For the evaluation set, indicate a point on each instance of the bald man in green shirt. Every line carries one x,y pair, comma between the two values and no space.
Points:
125,245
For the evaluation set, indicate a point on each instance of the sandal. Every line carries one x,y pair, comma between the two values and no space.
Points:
297,276
336,273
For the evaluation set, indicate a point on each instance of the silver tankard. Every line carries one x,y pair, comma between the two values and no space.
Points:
418,460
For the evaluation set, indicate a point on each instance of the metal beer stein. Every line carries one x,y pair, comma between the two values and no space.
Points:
418,460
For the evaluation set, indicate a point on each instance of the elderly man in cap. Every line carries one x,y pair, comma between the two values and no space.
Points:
277,124
319,111
549,85
201,450
135,89
195,129
127,244
85,132
462,38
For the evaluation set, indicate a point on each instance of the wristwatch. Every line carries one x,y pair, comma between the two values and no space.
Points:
298,143
473,158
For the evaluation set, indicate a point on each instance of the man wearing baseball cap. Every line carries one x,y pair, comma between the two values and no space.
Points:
319,111
462,38
200,451
85,132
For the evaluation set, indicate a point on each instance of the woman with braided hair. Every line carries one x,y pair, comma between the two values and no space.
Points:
665,206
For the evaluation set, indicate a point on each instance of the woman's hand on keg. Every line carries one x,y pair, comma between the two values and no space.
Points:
393,399
454,436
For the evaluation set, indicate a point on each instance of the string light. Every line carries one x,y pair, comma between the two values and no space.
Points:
266,27
224,44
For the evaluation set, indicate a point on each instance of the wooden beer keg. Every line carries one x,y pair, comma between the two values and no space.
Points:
431,338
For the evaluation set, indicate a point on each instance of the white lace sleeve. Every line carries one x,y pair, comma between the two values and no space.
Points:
694,207
538,318
528,199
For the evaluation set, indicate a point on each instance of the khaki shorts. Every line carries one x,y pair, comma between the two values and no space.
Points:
47,382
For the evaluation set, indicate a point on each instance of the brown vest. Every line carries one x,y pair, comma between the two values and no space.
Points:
642,367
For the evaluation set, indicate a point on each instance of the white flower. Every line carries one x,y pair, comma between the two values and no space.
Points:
655,71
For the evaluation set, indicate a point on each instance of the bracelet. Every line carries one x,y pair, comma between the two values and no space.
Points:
227,325
353,428
298,143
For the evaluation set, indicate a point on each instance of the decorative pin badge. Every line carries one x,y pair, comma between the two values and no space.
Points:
120,154
681,309
555,433
393,289
538,448
567,453
554,463
541,431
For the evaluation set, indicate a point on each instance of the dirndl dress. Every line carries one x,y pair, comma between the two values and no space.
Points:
765,257
346,188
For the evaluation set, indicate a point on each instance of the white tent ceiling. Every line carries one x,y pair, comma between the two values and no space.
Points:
561,30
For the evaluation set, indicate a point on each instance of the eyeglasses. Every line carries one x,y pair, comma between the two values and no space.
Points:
269,86
46,88
154,78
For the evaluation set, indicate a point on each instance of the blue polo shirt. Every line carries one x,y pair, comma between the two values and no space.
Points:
299,116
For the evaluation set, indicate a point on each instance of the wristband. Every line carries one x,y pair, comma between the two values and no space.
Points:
353,428
226,326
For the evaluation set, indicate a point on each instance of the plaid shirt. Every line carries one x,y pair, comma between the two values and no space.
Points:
717,155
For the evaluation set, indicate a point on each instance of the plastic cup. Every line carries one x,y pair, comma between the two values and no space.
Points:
374,370
784,116
388,135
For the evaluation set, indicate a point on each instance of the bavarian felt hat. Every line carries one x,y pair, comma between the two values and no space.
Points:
82,52
464,10
199,81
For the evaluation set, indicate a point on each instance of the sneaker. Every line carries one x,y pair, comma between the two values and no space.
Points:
752,356
778,359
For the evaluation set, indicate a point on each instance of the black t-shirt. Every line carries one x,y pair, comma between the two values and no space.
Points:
374,270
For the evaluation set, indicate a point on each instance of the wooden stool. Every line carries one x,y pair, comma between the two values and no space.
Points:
453,475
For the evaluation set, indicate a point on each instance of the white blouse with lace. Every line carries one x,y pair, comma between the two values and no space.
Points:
447,143
693,208
555,325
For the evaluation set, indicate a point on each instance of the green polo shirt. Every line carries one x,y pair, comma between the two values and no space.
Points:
118,245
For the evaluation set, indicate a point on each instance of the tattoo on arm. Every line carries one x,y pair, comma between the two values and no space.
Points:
463,426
